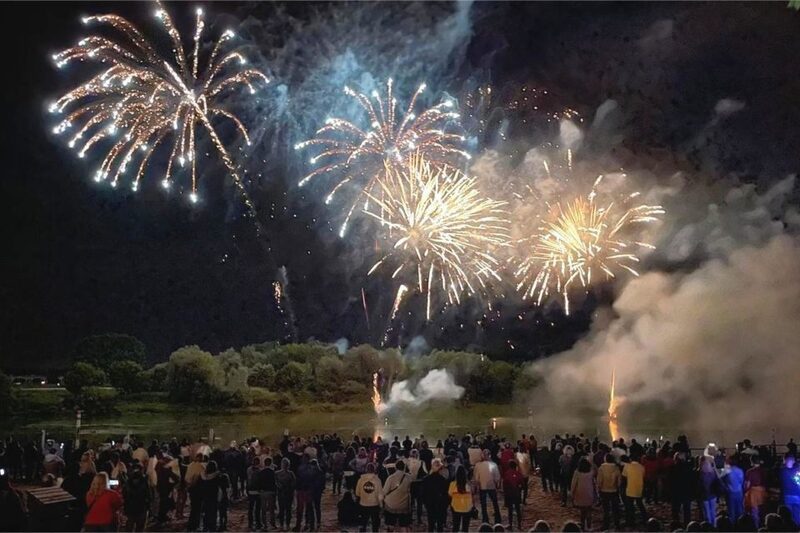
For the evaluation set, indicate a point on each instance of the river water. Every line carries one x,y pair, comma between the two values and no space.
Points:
434,422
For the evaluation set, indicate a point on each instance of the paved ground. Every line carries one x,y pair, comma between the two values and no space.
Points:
540,506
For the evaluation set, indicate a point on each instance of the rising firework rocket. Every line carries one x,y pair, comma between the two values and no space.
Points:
398,300
359,157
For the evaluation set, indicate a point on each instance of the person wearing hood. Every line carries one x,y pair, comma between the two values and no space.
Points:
285,482
369,491
213,489
436,495
136,497
565,472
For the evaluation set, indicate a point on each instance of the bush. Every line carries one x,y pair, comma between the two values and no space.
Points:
83,375
262,376
154,379
103,350
6,398
94,401
127,376
193,376
292,377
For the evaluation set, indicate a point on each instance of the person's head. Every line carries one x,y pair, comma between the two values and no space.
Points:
773,522
436,465
198,458
267,462
724,523
654,525
745,523
693,526
461,479
256,462
512,464
400,466
485,528
370,468
541,526
584,465
706,526
99,483
211,467
415,454
571,526
285,463
498,528
786,514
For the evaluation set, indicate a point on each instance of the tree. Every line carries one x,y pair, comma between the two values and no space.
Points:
83,375
193,376
6,397
262,376
293,377
154,379
501,380
103,350
127,376
234,372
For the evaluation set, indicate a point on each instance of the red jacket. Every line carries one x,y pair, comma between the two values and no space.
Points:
103,509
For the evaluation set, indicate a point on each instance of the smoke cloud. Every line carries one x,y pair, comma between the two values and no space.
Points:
438,384
714,343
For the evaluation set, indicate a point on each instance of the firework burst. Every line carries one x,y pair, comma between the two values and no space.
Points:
360,157
142,100
438,229
580,241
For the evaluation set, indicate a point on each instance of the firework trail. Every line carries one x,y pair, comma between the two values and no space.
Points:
142,101
439,229
364,305
580,240
283,277
398,300
359,158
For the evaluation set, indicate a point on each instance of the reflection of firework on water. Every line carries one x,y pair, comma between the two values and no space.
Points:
142,99
580,241
439,229
359,157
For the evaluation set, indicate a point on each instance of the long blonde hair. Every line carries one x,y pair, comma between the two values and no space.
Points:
99,484
87,464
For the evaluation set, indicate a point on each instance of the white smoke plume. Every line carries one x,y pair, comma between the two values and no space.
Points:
438,384
715,346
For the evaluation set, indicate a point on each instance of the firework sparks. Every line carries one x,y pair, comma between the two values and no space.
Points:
360,157
579,241
398,300
364,305
613,404
377,402
141,100
439,228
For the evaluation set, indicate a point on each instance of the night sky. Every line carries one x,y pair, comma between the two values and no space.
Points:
79,259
